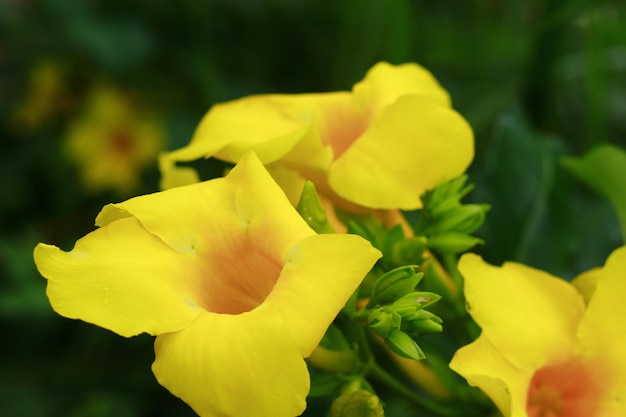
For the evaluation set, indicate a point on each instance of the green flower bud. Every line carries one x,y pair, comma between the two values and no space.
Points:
447,195
395,283
382,321
403,345
311,210
421,322
359,403
452,242
418,299
422,315
463,219
409,251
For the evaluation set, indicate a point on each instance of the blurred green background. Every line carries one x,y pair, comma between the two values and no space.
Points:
537,80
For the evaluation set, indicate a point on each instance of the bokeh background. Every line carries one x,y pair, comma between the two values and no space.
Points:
90,91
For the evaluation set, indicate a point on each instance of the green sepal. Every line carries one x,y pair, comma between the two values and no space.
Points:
312,211
395,284
403,345
452,242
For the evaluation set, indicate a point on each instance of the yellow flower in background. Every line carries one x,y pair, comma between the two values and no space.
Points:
234,284
542,351
113,141
45,97
379,146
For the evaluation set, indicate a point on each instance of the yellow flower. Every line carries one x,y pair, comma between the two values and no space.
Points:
542,351
113,141
379,146
234,284
45,97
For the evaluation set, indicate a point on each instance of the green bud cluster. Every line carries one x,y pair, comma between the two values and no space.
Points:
446,221
400,314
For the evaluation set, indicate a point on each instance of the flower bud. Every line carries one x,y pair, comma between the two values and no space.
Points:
395,284
463,219
403,345
359,403
311,210
422,321
409,251
417,299
383,320
452,242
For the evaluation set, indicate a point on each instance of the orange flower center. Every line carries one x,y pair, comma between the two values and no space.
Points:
121,142
568,389
239,276
342,126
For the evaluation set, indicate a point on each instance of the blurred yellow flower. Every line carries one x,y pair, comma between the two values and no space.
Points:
542,351
379,146
237,288
44,98
113,141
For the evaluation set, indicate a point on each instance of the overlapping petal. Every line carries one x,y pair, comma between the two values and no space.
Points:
241,365
384,84
484,366
528,315
228,275
414,145
539,347
315,284
379,147
121,278
602,332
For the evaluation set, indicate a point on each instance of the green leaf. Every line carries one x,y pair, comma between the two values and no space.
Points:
604,169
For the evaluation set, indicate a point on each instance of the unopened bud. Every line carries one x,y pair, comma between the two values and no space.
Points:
409,251
395,284
382,321
403,345
418,299
359,403
312,211
422,321
452,242
463,219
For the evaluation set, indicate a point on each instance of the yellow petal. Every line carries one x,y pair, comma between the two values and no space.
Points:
121,278
413,146
197,217
530,316
586,282
484,366
173,176
232,366
602,332
231,129
320,274
384,84
339,120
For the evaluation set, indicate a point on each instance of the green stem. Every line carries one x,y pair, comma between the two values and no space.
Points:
400,388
